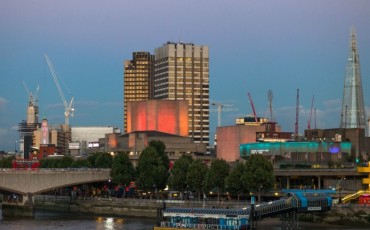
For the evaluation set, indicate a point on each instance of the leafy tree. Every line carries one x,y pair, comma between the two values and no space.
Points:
234,181
6,162
160,147
196,176
81,163
92,159
216,175
151,173
258,175
104,160
122,169
179,172
65,162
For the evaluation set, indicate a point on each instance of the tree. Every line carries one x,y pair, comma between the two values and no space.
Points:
151,173
81,163
92,159
216,175
6,162
179,173
196,176
122,169
258,175
160,147
65,162
234,181
104,160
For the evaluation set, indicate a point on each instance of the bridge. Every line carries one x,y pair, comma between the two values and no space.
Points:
28,182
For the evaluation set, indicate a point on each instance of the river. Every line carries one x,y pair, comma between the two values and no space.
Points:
44,220
47,220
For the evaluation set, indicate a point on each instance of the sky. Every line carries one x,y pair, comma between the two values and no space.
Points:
255,46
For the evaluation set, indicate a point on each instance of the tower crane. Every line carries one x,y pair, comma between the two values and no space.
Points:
252,105
220,109
296,116
32,97
309,120
68,107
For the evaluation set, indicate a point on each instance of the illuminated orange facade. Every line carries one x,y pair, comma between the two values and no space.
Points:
168,116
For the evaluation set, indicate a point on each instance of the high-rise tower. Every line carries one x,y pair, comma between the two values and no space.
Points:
182,73
138,82
353,111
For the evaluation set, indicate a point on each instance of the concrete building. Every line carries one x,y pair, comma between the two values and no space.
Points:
182,73
169,116
135,142
229,139
86,137
138,80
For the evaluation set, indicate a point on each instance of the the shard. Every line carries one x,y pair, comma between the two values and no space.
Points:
353,110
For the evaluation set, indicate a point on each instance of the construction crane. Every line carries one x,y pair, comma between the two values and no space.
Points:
269,98
296,116
309,120
32,97
252,105
68,107
220,109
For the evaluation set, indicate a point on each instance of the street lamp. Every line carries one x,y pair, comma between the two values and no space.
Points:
15,146
340,189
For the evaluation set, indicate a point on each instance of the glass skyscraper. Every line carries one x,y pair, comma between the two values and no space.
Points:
353,110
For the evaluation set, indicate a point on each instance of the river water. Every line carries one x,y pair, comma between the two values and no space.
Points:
55,220
44,220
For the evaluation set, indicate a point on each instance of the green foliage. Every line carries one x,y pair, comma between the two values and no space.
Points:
160,147
6,162
234,181
92,159
258,174
179,173
81,163
49,163
196,176
216,175
65,162
151,173
104,160
122,169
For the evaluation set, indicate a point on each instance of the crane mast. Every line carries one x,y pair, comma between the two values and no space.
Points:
309,121
68,107
296,116
252,105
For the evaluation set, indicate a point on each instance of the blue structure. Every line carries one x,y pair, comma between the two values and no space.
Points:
199,218
285,148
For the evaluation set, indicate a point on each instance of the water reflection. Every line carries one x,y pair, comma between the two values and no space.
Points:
45,220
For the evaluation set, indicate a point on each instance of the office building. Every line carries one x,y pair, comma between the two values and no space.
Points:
138,75
182,73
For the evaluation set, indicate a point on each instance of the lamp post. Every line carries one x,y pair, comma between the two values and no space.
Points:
340,189
15,146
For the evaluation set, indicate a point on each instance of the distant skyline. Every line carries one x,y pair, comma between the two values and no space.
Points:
255,46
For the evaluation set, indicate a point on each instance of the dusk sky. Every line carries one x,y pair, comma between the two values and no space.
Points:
255,46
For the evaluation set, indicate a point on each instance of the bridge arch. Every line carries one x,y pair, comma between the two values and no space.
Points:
42,180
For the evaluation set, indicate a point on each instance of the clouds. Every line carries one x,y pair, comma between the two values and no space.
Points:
3,103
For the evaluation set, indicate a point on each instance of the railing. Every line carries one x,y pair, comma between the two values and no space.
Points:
198,226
